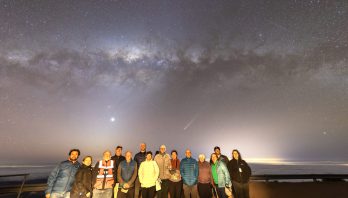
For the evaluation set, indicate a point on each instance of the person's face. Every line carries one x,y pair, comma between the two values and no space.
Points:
118,151
107,156
162,149
188,153
201,159
214,158
217,151
174,155
142,147
73,156
87,161
148,157
128,156
235,154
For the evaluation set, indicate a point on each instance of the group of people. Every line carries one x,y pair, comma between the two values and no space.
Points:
148,176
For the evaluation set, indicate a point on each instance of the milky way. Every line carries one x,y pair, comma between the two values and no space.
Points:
267,77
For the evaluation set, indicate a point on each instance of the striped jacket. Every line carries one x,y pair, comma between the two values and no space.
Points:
223,174
189,171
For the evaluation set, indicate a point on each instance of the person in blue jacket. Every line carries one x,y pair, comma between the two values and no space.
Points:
189,174
62,177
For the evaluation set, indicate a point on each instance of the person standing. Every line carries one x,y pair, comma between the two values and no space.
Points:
189,174
220,157
62,177
118,158
126,175
163,161
221,176
82,187
240,173
103,177
175,182
205,178
148,175
139,157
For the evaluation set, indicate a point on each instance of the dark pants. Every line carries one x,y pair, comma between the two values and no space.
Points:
221,192
204,190
163,193
129,194
148,192
175,189
241,189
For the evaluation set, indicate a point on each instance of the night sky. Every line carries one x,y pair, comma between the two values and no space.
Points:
267,77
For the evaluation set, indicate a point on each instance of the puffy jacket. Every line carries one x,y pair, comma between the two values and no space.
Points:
127,172
223,174
148,174
164,164
83,181
189,171
242,176
62,177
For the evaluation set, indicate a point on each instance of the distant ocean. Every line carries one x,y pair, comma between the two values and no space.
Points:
41,172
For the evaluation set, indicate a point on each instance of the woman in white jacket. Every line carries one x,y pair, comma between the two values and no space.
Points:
148,175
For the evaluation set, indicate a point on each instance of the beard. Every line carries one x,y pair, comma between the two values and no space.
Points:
73,159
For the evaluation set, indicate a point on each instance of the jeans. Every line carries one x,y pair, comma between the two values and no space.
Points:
60,195
105,193
221,192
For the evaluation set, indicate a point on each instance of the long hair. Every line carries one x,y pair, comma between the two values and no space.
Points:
239,155
211,161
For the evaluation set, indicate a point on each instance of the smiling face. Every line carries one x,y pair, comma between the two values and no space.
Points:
87,161
235,155
201,158
174,156
142,147
128,156
162,149
188,153
107,155
73,156
149,157
118,151
214,158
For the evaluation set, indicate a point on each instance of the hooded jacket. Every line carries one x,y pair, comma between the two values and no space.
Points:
62,177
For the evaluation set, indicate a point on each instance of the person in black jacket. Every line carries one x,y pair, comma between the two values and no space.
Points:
82,186
118,158
240,173
139,157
